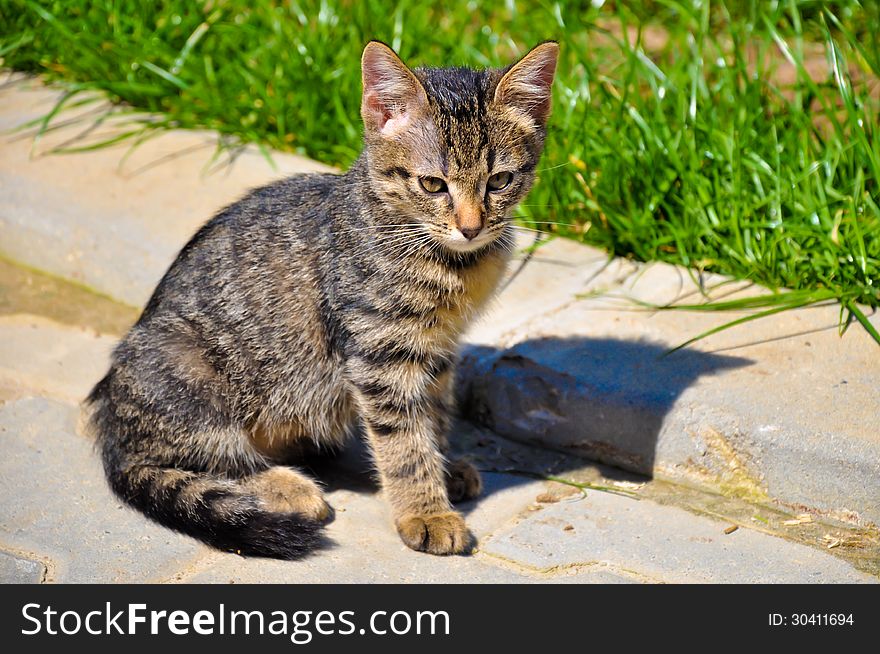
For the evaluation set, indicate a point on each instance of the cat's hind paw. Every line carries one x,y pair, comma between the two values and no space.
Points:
284,490
462,481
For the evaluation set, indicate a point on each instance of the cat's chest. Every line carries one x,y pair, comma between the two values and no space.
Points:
481,281
474,287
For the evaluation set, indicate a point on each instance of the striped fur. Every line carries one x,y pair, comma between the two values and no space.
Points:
321,303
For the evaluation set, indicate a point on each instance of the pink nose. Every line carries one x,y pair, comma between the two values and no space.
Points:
470,233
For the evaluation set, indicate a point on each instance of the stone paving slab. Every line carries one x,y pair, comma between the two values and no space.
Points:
42,357
367,549
660,543
110,224
20,570
783,409
56,504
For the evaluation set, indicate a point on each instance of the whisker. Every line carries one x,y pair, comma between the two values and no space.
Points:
529,230
562,165
546,222
374,228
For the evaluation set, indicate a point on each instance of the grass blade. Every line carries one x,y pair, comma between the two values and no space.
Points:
863,320
734,323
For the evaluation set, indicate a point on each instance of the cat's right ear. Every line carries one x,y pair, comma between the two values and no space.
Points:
392,93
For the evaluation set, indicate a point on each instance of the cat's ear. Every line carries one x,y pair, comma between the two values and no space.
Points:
392,93
526,85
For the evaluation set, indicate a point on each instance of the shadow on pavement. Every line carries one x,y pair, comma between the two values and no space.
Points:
558,403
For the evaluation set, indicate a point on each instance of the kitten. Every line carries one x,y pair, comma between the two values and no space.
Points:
323,302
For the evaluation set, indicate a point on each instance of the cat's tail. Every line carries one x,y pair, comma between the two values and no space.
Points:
223,512
231,513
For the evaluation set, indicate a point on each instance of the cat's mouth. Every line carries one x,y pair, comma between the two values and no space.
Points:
458,242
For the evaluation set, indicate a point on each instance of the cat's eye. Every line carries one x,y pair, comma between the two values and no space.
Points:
499,181
432,184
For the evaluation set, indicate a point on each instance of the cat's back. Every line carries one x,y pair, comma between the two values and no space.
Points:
289,211
239,310
246,280
273,229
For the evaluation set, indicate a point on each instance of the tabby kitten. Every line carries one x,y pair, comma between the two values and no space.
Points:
323,302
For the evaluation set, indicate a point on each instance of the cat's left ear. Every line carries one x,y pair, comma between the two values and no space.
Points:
526,86
392,93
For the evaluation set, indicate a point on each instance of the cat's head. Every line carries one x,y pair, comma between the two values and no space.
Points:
454,149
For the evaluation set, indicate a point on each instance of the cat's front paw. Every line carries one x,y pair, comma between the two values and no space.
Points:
462,481
441,533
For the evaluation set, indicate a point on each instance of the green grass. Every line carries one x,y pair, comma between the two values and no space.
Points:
685,144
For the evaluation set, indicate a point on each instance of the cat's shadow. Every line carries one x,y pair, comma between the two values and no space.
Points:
610,395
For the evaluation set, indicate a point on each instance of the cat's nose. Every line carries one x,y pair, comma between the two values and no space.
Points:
469,219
